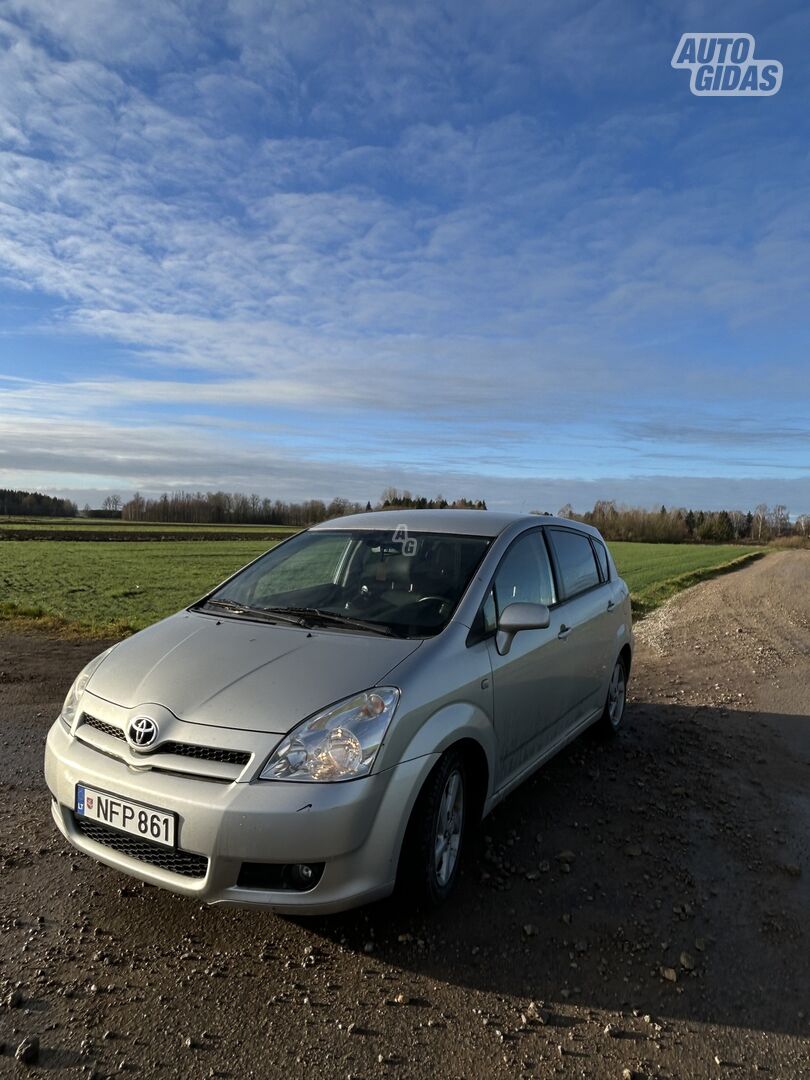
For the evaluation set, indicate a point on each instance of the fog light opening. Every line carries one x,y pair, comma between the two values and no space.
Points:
280,877
304,875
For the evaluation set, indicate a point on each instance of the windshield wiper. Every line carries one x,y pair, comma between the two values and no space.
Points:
246,609
319,615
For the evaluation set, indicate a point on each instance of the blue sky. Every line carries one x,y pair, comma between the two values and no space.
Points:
486,249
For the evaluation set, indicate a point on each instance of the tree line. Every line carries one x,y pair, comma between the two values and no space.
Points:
235,508
222,507
34,504
673,524
676,525
392,499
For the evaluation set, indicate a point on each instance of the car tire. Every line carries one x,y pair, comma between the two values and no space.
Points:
613,713
436,832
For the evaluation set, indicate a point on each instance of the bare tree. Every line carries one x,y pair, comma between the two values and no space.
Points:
134,509
603,510
738,523
760,519
780,520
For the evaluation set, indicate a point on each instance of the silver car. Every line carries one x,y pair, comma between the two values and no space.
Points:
337,715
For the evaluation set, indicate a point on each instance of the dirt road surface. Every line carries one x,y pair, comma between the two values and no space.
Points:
639,909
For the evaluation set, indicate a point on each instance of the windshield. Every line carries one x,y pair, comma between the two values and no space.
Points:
389,582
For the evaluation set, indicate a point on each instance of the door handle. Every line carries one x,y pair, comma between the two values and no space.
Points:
564,631
611,605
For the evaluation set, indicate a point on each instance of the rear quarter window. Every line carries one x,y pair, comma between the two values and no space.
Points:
602,559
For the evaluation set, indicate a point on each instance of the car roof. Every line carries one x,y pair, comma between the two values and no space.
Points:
457,522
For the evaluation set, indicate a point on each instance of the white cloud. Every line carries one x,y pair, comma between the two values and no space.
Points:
150,33
336,217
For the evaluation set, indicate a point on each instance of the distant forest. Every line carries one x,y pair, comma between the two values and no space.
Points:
220,507
672,525
32,504
679,525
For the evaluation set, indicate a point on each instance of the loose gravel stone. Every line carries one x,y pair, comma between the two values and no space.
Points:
27,1052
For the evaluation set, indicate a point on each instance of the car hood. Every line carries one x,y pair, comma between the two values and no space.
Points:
238,674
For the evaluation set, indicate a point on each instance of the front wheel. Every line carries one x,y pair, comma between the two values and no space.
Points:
436,832
611,718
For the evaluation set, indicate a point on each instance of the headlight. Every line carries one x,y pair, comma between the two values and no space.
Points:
68,714
339,743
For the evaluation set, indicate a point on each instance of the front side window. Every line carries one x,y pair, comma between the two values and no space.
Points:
407,585
524,575
575,561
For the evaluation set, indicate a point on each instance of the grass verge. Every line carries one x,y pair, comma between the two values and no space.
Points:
652,596
23,619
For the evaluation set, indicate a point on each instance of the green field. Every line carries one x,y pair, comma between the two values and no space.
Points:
654,572
110,588
105,588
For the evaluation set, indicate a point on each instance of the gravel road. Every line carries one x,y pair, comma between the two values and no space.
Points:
639,909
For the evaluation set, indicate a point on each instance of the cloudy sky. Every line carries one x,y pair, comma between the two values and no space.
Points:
485,248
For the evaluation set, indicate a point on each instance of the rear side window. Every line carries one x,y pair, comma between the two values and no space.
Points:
575,561
602,559
524,575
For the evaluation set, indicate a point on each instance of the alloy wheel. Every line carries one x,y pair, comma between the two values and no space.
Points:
449,824
616,695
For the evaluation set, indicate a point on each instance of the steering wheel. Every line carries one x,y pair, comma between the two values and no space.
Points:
441,599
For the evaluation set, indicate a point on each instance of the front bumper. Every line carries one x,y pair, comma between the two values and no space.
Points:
355,828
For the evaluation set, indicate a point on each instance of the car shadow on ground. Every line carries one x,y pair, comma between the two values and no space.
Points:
660,871
664,871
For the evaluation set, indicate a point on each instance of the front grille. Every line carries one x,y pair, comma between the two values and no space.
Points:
172,859
201,753
205,753
105,729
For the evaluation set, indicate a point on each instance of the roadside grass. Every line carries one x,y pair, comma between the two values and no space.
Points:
108,589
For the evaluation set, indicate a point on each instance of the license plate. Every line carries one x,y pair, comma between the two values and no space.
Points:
126,816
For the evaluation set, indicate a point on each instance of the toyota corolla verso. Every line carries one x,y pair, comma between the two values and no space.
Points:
337,715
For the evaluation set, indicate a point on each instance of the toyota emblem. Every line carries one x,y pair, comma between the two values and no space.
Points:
142,732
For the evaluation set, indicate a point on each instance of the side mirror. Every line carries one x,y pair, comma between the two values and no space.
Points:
517,617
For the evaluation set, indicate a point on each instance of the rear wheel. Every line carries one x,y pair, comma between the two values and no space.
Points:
436,831
611,718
